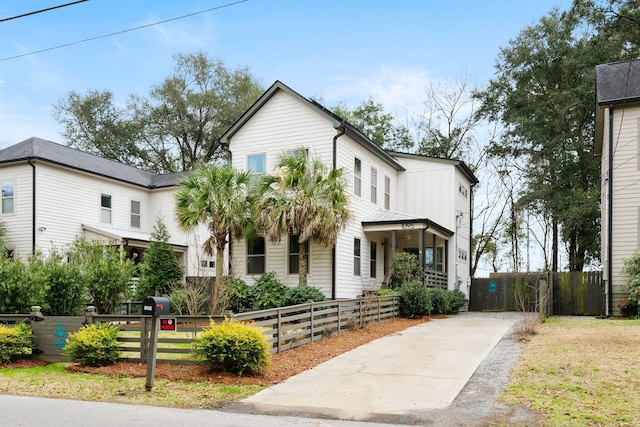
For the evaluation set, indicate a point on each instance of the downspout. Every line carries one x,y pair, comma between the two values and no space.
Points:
610,221
33,206
333,249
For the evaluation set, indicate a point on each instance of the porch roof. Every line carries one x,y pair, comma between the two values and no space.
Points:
382,220
126,236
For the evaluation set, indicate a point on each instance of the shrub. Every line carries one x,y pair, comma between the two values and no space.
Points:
631,267
387,292
233,347
628,308
269,292
17,292
94,345
415,300
446,302
15,342
405,268
302,295
242,296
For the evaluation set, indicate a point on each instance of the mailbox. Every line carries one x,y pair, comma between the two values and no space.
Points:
155,306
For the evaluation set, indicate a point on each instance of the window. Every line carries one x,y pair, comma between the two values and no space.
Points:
357,176
373,259
7,197
135,214
255,256
105,208
257,163
463,190
356,257
207,263
294,254
387,192
374,185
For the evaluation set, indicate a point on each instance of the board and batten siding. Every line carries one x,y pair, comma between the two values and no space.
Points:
19,223
626,199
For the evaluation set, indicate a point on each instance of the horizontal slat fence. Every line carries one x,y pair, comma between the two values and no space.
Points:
283,328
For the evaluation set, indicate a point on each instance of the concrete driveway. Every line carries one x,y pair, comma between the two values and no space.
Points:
402,376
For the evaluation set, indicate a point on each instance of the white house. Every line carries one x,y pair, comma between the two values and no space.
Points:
52,193
401,202
618,142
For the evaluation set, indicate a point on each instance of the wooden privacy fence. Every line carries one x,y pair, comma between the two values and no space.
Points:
283,328
570,293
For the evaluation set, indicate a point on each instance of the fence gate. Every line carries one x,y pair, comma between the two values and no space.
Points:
50,335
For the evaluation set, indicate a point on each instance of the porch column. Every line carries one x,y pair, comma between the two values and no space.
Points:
435,252
393,244
421,248
445,264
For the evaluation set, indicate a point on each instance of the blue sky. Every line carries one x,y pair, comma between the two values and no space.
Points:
339,51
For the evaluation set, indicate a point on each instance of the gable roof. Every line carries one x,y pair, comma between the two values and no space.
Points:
51,152
336,121
616,83
459,164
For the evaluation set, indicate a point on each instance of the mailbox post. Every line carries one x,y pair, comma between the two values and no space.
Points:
154,307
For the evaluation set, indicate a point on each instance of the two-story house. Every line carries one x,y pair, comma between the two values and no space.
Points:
617,140
400,202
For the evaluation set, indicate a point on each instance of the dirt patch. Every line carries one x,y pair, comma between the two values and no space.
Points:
283,365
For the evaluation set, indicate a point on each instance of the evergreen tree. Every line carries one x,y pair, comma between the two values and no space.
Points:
160,270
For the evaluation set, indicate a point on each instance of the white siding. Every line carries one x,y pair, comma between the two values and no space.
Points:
626,197
19,223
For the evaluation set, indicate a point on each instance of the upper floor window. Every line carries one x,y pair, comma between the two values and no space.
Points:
374,185
256,256
462,189
105,208
257,163
135,214
294,254
357,176
387,192
8,195
356,256
462,254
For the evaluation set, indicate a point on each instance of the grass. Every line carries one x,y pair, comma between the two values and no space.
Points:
580,371
53,381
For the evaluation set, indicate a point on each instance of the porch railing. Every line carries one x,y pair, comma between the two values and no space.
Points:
436,279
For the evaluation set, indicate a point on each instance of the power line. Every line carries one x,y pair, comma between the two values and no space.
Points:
42,10
123,31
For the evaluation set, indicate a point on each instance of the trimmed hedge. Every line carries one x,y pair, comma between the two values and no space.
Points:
15,342
94,345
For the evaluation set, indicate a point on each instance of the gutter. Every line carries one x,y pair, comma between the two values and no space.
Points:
33,206
333,250
609,308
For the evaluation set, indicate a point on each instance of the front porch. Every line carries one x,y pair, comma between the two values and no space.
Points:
428,241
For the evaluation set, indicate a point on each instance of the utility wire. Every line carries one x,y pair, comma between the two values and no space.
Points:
123,31
42,10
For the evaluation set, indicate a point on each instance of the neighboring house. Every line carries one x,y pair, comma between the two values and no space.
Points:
618,142
52,194
400,202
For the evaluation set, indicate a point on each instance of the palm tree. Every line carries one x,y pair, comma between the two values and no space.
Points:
215,196
302,198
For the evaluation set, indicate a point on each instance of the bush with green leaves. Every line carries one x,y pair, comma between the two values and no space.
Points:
405,268
415,300
446,301
631,266
302,295
94,345
242,296
15,342
160,271
233,347
17,292
269,292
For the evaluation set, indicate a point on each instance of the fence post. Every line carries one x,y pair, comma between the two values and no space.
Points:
339,317
311,319
542,300
143,338
278,327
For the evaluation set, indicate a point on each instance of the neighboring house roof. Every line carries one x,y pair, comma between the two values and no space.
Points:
125,235
462,166
51,152
616,83
336,121
383,217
